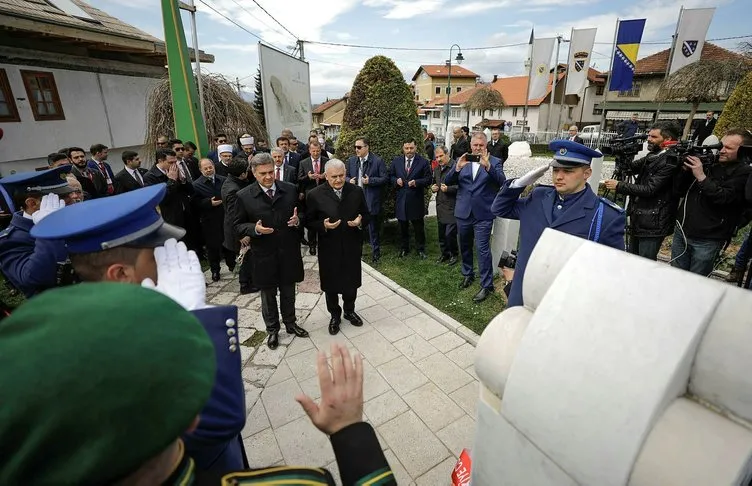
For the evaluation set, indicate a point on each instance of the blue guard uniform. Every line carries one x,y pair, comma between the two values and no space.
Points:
131,219
31,265
581,214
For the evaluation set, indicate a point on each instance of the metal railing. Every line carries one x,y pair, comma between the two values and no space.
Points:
592,140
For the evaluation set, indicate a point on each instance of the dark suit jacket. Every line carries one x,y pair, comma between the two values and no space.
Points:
176,205
229,195
305,184
192,163
220,169
293,161
289,174
445,201
211,217
576,140
375,169
92,182
475,196
459,148
703,131
500,150
276,257
410,204
125,182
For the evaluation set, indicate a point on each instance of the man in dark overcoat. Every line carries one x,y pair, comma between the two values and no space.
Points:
238,177
411,175
207,198
338,213
267,212
446,198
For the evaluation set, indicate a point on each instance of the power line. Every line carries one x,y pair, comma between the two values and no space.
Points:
278,22
256,18
230,20
518,44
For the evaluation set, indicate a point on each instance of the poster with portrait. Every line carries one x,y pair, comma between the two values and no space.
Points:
287,93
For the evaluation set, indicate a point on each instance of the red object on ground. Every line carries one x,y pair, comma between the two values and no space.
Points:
461,472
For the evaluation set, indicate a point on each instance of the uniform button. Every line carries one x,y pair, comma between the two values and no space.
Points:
558,207
233,340
231,332
233,348
230,322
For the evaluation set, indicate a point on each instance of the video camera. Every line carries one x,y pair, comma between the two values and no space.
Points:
508,259
624,147
705,153
744,155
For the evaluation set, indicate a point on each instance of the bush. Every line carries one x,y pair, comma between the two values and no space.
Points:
737,113
381,108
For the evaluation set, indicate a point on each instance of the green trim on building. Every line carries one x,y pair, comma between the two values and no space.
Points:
189,124
654,105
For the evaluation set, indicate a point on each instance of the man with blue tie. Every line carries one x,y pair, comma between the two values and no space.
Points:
292,158
368,171
411,174
570,206
478,176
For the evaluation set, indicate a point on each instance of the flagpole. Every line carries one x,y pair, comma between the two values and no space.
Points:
527,90
670,58
554,77
608,79
566,83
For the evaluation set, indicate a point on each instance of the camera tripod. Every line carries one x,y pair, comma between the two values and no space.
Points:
622,174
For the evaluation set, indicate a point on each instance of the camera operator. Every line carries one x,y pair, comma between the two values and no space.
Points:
652,207
712,205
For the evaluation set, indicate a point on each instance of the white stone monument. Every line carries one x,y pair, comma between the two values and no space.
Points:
617,371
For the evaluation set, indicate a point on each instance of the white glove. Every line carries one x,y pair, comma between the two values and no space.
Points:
50,203
530,177
179,275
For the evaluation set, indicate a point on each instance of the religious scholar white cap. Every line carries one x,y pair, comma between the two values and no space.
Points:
224,148
246,140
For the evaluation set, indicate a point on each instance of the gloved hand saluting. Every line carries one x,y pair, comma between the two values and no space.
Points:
50,203
530,177
179,275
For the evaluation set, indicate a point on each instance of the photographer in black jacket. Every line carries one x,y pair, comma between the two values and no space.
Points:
652,205
712,205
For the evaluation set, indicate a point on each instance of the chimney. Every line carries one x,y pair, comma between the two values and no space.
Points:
496,76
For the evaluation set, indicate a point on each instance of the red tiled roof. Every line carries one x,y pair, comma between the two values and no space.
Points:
514,89
442,71
658,62
325,106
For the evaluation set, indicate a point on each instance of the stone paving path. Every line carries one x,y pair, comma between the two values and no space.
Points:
420,387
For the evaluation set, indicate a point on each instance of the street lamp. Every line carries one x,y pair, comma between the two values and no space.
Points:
459,60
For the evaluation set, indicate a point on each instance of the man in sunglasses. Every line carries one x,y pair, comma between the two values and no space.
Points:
368,171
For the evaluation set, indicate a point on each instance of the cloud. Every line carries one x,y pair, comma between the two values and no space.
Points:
405,9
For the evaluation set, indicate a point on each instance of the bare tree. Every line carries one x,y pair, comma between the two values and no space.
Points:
704,81
485,98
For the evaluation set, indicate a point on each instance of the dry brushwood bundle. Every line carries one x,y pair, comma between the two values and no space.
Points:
226,112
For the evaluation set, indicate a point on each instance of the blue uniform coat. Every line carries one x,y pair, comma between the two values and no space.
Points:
410,204
29,264
476,196
375,169
535,215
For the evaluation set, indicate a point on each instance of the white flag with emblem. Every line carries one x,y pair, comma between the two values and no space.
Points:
693,27
540,65
580,51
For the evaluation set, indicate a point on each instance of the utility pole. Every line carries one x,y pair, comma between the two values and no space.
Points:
301,48
237,83
191,7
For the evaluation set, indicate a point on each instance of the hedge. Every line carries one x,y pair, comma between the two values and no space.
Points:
737,112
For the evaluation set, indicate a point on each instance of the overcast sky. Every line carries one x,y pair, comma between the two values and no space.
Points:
417,24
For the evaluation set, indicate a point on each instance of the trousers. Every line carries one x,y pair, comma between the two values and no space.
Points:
269,310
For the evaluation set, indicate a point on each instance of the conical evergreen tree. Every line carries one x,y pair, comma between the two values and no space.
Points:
737,112
381,108
258,101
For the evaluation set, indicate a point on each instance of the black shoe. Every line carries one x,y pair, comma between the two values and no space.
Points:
215,276
231,268
334,323
466,282
273,340
354,319
403,253
482,295
452,261
422,255
244,290
297,330
442,259
312,250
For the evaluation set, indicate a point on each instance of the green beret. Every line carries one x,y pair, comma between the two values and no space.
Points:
96,379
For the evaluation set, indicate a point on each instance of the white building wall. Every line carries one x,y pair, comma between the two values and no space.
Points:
114,115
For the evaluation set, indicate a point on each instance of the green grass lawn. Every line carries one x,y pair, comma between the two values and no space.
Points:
435,283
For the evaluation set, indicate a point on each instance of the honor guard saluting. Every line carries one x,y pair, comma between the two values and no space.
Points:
123,238
569,206
32,265
127,405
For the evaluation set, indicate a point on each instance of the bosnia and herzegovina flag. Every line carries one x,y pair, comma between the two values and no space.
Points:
628,39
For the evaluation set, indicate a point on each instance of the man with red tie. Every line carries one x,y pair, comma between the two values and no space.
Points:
411,175
98,162
311,175
282,171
